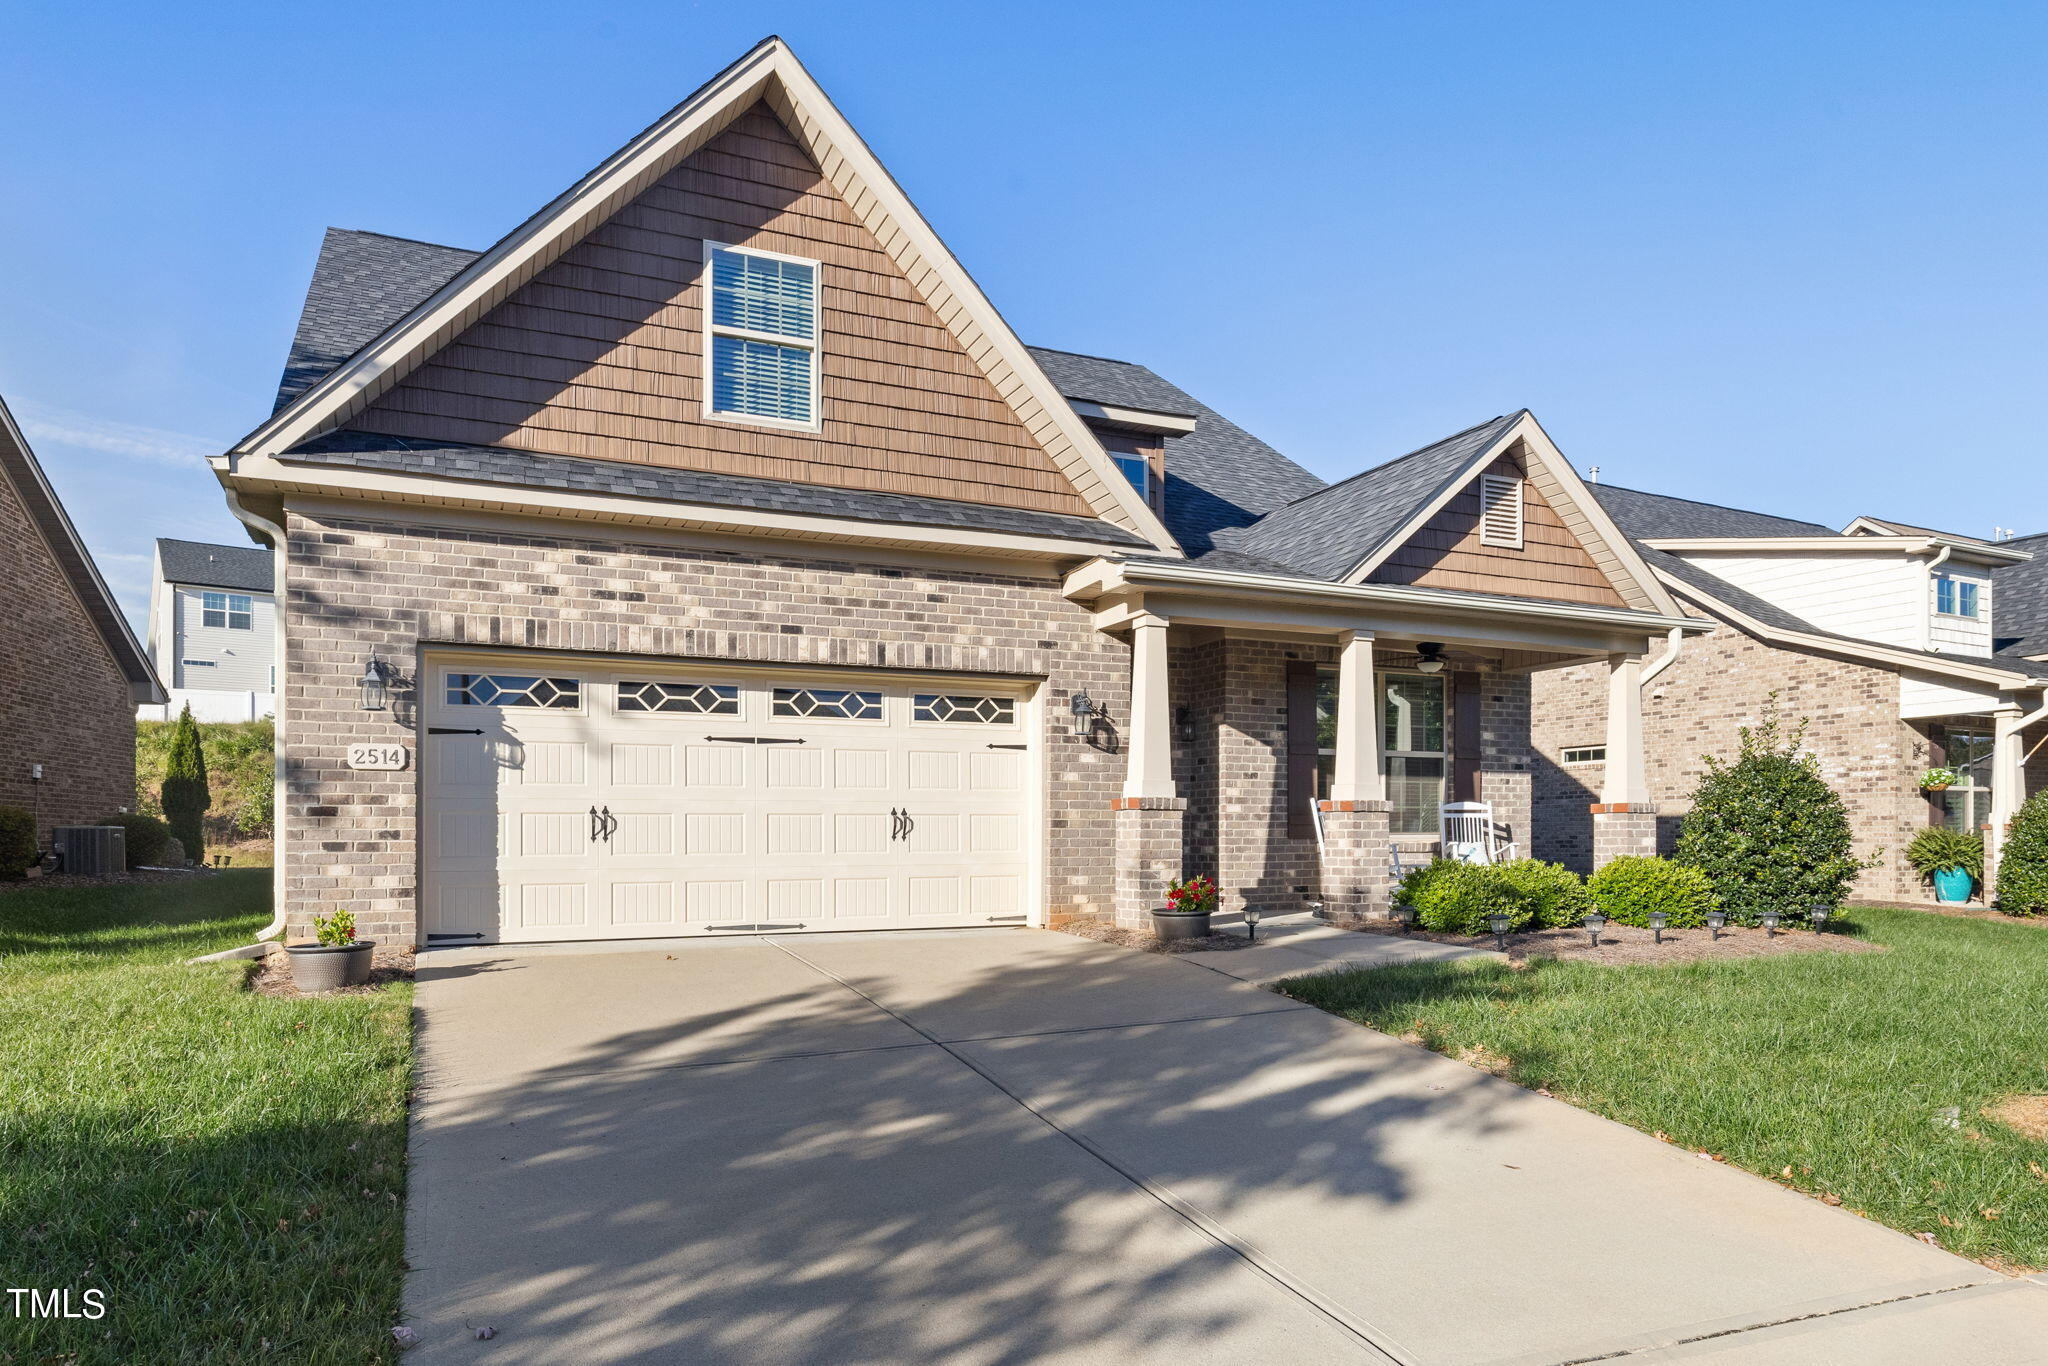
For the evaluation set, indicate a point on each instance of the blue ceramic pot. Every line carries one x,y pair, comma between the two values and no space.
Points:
1952,886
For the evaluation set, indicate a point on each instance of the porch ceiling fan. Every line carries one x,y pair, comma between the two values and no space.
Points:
1431,657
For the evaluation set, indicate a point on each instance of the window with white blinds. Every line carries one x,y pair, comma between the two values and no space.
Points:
762,336
1500,510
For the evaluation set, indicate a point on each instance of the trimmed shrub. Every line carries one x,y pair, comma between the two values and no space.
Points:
1557,896
17,841
2023,861
185,794
239,762
1766,830
146,838
1938,847
1459,898
1629,889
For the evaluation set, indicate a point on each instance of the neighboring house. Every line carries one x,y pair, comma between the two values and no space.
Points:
213,631
721,561
1895,642
71,672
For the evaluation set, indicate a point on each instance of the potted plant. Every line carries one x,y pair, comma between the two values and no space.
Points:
338,959
1953,859
1189,905
1938,779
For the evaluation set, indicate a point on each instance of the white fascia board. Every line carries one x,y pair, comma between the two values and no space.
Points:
1840,545
1172,424
1108,577
1948,666
269,477
769,70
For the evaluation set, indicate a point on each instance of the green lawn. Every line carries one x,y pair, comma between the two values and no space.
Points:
227,1168
1837,1066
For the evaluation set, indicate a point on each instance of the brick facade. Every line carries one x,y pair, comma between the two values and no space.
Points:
359,585
1718,684
64,701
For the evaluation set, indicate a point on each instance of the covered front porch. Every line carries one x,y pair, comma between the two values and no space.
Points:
1297,740
1994,746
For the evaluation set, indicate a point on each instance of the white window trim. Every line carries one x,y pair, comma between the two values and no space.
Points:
815,345
1586,754
1145,489
1980,594
1502,491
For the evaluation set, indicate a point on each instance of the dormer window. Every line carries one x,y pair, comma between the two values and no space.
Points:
761,337
1954,597
1139,456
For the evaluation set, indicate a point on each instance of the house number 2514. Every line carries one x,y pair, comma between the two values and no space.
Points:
382,757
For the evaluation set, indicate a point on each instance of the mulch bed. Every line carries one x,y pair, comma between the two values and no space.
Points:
56,880
273,975
1621,944
1144,939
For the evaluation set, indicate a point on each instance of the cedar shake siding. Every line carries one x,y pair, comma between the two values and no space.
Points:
1551,563
601,355
65,703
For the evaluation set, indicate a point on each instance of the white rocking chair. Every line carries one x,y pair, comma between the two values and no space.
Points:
1470,834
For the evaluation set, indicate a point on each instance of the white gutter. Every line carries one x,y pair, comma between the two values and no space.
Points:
273,533
1674,641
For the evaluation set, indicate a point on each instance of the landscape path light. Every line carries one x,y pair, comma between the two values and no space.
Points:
1499,921
1770,919
1594,923
1251,922
1658,920
1820,917
1716,922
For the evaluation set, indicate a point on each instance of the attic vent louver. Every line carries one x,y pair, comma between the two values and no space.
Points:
1500,511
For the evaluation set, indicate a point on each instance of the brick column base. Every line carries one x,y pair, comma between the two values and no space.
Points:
1358,858
1148,856
1623,828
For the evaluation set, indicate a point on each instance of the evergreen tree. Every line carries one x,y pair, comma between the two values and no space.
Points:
1767,830
2023,861
185,796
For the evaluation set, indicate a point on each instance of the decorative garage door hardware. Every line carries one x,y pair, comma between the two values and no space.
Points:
454,730
754,739
450,934
603,825
996,746
903,824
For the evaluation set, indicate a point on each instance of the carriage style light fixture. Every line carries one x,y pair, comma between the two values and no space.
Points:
1083,707
1431,659
375,684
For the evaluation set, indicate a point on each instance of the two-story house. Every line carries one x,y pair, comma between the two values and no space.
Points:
213,631
708,556
1881,635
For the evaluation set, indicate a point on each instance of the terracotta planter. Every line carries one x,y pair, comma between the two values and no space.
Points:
323,967
1180,924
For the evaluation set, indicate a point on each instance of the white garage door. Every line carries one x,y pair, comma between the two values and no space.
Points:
563,801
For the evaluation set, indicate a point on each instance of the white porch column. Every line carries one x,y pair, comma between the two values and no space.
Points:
1627,776
1359,776
1148,763
2008,782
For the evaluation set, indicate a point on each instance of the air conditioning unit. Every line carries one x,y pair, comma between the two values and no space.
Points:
91,850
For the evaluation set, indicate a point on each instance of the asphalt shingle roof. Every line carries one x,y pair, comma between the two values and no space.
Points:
2019,600
1658,516
1326,533
499,465
247,568
362,283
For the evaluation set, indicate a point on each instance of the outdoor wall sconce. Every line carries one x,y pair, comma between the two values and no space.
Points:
1251,922
1183,723
1716,922
1770,919
1083,707
375,684
1658,920
1595,923
1820,917
1431,659
1498,922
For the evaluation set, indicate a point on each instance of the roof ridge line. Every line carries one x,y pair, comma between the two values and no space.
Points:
416,241
1703,503
1388,464
1107,360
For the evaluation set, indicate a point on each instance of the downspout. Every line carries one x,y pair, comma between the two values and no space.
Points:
1674,641
274,534
1926,607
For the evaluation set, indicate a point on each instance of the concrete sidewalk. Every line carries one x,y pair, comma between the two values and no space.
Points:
1012,1146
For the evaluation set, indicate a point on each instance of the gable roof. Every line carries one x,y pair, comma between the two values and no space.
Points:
1328,532
1881,526
201,565
20,469
769,72
363,282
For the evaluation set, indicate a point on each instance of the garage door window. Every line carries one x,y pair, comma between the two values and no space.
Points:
514,690
827,703
964,710
690,699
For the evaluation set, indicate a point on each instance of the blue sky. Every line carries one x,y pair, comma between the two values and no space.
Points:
1783,256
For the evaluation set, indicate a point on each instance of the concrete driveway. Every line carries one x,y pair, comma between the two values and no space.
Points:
1017,1146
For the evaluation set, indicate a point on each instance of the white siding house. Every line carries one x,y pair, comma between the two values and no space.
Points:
213,631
